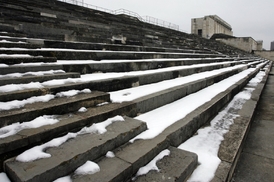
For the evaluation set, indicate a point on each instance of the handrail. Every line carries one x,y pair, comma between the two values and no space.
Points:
147,19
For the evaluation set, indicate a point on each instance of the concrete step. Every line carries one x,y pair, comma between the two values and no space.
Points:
113,47
71,54
21,45
177,166
28,79
74,153
155,100
10,60
60,105
108,85
15,144
29,68
234,140
131,65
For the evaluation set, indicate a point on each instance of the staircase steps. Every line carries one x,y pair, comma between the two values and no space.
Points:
74,153
28,79
60,105
9,60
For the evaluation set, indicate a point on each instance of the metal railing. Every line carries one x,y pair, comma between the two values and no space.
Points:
147,19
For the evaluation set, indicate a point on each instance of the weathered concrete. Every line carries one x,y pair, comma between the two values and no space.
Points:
24,69
18,60
74,153
177,167
234,140
56,106
68,122
28,79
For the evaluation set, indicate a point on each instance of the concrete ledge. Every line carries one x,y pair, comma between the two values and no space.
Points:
67,123
28,79
24,69
19,60
66,158
55,106
176,167
232,144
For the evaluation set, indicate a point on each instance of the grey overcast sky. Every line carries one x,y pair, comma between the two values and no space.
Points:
248,18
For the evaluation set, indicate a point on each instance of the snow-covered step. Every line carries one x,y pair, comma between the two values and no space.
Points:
71,54
176,166
64,159
23,68
13,38
61,103
87,66
148,97
51,126
40,78
11,59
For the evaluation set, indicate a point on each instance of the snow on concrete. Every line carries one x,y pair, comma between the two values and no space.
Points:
137,92
37,152
110,154
206,143
36,123
16,104
88,168
71,93
38,73
15,56
4,177
152,164
82,109
159,119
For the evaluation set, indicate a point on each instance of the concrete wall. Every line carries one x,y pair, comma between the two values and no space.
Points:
247,44
210,25
265,54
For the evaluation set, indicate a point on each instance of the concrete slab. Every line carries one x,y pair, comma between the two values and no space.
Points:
111,169
67,123
177,166
56,106
74,153
254,168
260,139
43,78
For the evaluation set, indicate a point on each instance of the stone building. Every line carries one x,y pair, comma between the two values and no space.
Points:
210,25
272,46
247,44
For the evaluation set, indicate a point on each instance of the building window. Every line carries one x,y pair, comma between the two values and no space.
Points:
200,32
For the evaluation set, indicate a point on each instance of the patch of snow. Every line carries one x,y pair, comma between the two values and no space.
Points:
64,179
15,104
15,56
110,154
82,109
152,164
88,168
71,93
38,151
36,123
17,87
4,177
101,104
38,73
